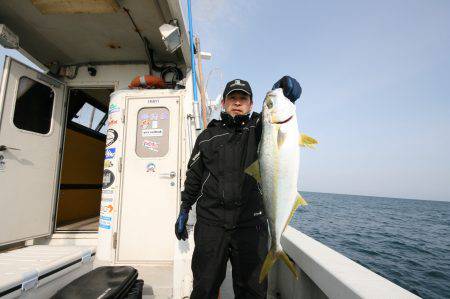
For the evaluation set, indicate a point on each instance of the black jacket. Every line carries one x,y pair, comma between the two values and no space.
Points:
215,179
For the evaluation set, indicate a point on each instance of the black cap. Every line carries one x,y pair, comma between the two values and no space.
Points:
237,85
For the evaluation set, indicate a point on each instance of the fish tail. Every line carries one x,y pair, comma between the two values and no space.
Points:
270,260
288,263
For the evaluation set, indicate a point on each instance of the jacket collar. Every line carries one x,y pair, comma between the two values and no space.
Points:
237,121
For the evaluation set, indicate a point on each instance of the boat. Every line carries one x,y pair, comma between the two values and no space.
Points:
91,170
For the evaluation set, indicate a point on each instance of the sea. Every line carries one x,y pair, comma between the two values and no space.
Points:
404,240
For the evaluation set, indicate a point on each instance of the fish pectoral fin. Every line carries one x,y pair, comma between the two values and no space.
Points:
280,137
300,201
307,141
288,263
253,170
268,263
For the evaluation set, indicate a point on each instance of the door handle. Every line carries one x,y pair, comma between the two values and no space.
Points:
170,175
4,148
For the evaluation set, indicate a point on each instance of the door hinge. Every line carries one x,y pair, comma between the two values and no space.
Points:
123,117
114,240
120,164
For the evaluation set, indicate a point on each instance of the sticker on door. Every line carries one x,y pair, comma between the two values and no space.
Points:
111,137
110,153
108,178
152,133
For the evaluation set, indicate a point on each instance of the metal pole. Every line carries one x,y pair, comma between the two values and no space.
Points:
200,81
194,79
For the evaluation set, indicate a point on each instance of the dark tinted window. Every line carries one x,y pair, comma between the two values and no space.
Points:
34,106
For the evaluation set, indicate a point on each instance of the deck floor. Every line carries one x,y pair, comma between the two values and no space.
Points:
158,282
226,290
90,224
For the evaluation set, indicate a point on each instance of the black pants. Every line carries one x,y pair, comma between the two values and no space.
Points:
245,247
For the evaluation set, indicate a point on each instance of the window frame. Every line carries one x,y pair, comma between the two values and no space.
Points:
138,129
50,130
95,104
105,115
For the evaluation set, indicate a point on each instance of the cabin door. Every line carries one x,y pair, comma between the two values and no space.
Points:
31,109
150,181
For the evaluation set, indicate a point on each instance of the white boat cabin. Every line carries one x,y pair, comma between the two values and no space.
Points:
85,160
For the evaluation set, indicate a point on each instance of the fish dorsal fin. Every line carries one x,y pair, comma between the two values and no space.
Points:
253,170
300,201
307,141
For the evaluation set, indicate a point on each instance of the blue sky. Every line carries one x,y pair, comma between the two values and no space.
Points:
376,82
375,78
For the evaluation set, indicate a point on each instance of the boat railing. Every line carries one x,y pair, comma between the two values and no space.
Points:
327,273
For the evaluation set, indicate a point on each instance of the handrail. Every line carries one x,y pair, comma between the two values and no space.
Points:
336,275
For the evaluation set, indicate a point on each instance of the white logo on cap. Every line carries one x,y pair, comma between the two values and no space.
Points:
237,82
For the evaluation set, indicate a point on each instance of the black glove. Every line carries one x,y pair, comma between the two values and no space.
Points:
180,225
291,88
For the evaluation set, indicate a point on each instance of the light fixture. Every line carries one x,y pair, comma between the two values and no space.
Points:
7,38
171,37
205,55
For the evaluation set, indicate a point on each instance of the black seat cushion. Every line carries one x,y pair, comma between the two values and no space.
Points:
103,282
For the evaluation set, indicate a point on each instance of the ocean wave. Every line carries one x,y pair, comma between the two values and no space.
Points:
436,274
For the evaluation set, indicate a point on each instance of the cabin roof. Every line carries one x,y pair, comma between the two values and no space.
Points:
77,38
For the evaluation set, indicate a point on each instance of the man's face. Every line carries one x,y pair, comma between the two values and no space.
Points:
237,103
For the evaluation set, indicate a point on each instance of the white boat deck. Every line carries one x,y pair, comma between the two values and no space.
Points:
158,282
324,273
226,290
90,224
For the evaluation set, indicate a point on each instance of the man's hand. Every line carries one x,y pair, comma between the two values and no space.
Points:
291,88
180,225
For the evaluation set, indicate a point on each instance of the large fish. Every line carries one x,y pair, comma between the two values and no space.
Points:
277,171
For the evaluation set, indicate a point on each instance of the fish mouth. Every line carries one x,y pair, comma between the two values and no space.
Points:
283,121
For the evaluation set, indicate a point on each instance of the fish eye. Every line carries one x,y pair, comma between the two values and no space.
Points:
269,103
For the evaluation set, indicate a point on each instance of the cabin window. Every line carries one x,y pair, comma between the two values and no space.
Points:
34,106
153,127
91,117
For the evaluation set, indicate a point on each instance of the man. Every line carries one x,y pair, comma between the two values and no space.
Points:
231,223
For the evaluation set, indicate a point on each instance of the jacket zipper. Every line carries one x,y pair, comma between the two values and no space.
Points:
203,185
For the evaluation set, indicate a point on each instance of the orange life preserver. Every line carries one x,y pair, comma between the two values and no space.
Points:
147,81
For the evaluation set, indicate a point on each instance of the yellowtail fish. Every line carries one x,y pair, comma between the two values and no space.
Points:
277,171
